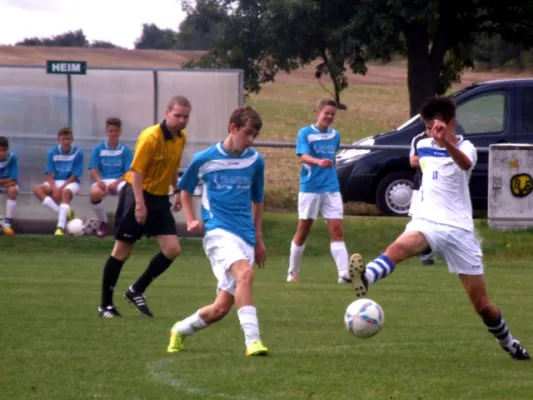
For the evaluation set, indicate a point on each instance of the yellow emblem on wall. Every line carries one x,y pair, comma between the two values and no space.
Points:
521,185
514,163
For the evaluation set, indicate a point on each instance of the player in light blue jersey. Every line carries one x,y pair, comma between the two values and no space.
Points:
9,175
319,190
110,160
232,175
64,168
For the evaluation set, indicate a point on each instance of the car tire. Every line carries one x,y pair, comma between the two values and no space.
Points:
393,193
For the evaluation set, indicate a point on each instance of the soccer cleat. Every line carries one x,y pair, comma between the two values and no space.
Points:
71,214
108,312
176,342
292,278
138,300
8,231
342,280
256,348
59,232
357,274
428,262
517,351
102,230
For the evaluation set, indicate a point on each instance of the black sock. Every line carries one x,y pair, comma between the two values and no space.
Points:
112,270
499,329
157,266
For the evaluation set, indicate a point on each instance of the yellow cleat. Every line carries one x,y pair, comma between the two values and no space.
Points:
256,348
59,232
71,215
8,231
176,342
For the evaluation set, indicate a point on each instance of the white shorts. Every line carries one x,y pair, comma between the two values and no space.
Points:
109,182
3,189
329,204
415,202
460,249
74,187
223,249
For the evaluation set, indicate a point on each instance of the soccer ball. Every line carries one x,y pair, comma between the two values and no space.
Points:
91,226
364,318
75,227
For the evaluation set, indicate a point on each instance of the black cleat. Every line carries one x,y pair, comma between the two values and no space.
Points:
357,274
428,262
139,301
108,312
517,351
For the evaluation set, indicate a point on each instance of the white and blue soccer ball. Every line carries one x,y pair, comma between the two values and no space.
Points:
364,318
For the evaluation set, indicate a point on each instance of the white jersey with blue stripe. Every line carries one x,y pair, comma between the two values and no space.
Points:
111,163
318,144
64,165
230,185
445,192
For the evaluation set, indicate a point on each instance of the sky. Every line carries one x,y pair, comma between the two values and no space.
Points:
116,21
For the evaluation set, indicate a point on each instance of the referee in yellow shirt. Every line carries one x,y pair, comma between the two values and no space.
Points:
144,207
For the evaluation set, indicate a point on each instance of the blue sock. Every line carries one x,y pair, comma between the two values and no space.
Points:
379,269
499,329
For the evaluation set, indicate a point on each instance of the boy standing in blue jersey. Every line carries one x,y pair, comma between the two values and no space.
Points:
110,160
64,168
319,190
232,175
9,175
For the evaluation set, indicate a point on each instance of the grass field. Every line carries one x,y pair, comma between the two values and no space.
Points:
433,346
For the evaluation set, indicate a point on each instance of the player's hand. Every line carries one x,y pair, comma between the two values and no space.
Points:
195,226
325,163
141,213
260,253
101,185
176,204
438,132
113,187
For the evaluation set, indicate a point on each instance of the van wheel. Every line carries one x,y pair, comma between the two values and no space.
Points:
393,194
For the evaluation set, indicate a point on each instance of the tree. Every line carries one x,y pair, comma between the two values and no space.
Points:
266,37
68,39
102,44
154,38
436,36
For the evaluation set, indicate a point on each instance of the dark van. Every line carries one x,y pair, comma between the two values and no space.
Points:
490,112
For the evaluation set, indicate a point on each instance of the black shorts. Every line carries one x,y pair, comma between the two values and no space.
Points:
159,220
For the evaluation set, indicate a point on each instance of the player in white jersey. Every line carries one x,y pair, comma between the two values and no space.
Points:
319,190
443,222
232,176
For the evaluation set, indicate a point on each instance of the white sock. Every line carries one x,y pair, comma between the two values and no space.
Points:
10,210
340,255
250,325
51,204
295,260
99,210
189,325
63,211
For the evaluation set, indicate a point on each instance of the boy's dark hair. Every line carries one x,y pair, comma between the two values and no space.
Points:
438,107
178,101
246,115
65,131
4,142
113,121
320,104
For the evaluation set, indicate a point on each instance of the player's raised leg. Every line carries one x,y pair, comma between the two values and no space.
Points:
492,318
407,245
44,193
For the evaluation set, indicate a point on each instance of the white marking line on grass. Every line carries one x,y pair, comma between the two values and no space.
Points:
156,368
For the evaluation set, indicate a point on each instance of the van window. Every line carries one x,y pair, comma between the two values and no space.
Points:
483,114
527,108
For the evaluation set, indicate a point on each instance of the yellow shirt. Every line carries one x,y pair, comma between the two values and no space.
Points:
157,158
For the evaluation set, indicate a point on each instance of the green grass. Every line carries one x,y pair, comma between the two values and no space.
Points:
433,345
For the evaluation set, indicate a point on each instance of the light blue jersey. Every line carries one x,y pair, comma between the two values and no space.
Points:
62,166
111,163
318,144
9,168
230,185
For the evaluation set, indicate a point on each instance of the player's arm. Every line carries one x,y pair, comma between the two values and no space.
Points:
462,160
258,207
414,159
77,169
49,170
13,171
187,184
144,155
94,163
303,150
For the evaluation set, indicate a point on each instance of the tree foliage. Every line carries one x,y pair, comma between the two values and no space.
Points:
68,39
